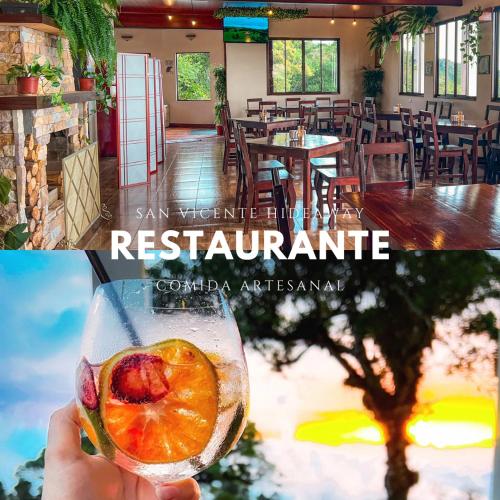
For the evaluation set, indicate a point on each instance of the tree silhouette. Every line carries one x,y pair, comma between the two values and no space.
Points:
377,327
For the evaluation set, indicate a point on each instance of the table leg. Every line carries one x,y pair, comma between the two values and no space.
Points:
474,158
306,194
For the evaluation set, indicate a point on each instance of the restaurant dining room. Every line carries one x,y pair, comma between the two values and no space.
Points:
307,117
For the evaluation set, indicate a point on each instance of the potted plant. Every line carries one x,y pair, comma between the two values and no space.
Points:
415,20
27,76
221,94
87,80
12,235
373,80
381,33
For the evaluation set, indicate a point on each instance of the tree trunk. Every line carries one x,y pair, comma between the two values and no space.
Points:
399,478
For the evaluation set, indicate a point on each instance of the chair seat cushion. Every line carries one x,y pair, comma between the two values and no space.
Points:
266,175
269,164
325,161
469,141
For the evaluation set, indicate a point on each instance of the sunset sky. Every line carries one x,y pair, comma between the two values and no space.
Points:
45,297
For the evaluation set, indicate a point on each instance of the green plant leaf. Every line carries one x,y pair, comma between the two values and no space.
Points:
15,237
5,187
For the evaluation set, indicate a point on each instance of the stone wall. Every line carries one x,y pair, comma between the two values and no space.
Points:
20,45
24,136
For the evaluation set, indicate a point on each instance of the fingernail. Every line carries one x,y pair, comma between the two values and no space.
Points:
168,492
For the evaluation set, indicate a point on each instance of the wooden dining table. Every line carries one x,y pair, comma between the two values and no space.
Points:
465,217
266,126
473,128
313,146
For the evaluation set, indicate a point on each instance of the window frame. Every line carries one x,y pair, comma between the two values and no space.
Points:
422,69
269,52
177,76
495,94
436,62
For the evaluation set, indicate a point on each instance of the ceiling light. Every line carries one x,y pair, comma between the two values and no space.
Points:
332,21
270,12
193,23
354,22
169,18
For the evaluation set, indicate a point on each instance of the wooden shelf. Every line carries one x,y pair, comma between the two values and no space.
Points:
12,102
35,21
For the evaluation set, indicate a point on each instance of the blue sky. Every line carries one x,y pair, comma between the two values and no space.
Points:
44,297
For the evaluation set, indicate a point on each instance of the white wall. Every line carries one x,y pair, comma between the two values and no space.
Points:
164,44
247,63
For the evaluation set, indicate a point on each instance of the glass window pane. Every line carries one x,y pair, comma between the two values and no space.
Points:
442,59
450,59
329,65
278,69
293,66
193,76
313,65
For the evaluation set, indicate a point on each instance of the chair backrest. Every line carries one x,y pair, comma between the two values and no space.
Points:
429,128
350,131
323,100
408,124
292,102
445,111
431,106
226,123
310,115
342,103
356,109
244,155
493,114
368,100
404,148
253,100
366,134
269,106
370,111
305,104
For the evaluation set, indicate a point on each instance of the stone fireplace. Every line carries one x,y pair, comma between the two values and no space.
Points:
35,136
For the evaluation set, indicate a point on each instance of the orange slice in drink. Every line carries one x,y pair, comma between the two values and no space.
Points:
159,404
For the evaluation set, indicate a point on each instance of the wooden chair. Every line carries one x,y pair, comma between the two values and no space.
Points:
282,211
370,114
336,179
369,111
484,141
368,100
443,155
324,117
349,131
492,168
445,109
257,191
305,103
269,165
292,102
251,110
401,149
341,108
270,106
410,132
431,106
310,116
229,157
356,110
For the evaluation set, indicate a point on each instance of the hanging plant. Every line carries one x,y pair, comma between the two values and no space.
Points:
89,27
273,13
381,33
415,20
471,35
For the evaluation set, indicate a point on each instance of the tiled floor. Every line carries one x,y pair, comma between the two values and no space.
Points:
191,192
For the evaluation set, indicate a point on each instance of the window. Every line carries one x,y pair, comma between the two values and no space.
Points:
303,66
455,78
193,76
412,64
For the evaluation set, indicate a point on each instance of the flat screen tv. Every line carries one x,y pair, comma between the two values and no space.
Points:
246,29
